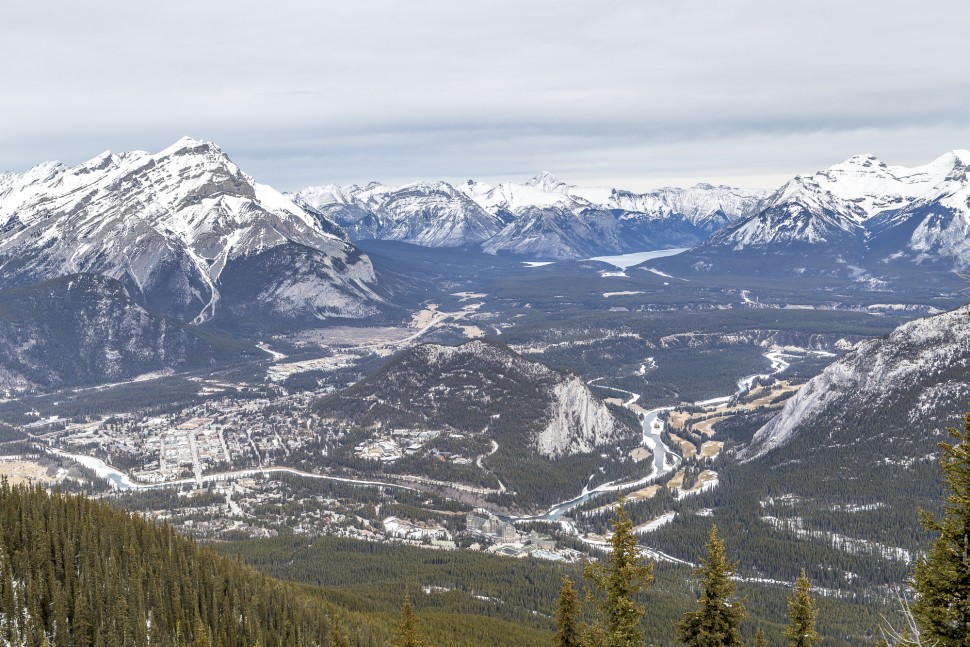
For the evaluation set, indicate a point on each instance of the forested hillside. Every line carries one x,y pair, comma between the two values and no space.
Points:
77,573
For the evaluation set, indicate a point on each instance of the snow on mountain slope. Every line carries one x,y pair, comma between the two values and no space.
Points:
917,373
167,225
543,190
432,214
542,217
872,187
701,205
799,213
557,232
934,227
843,208
707,206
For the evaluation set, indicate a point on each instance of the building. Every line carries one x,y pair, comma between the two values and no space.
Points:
476,523
542,542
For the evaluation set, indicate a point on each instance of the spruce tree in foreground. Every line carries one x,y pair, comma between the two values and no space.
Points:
339,635
567,617
717,620
616,586
801,615
759,638
407,630
942,577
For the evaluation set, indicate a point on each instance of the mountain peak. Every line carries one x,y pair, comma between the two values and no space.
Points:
102,162
959,157
187,145
865,159
546,181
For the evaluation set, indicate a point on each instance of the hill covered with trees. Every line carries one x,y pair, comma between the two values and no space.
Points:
78,573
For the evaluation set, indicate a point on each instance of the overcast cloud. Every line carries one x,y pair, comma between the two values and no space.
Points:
636,94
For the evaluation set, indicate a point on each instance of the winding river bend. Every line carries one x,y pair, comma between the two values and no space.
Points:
665,461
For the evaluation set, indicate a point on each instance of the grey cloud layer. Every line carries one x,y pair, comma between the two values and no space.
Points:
309,92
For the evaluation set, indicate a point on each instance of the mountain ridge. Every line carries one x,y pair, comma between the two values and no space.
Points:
862,210
918,364
543,217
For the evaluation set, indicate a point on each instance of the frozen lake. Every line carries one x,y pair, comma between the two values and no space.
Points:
624,261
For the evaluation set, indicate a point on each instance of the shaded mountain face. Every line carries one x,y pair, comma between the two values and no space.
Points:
483,386
895,393
541,218
85,329
173,228
862,211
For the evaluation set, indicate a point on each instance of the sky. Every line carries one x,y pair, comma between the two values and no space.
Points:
636,94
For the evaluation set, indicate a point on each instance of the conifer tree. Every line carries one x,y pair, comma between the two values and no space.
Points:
617,584
759,638
407,630
567,617
942,576
801,615
202,638
717,620
339,637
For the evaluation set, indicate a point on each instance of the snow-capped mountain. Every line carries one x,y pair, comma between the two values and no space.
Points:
543,217
174,228
935,226
863,209
801,213
558,232
433,214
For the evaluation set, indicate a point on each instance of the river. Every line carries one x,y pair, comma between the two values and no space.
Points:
665,461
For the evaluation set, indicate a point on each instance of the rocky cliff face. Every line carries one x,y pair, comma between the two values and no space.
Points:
578,422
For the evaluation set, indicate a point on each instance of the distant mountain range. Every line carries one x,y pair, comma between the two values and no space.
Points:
856,211
190,237
543,218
